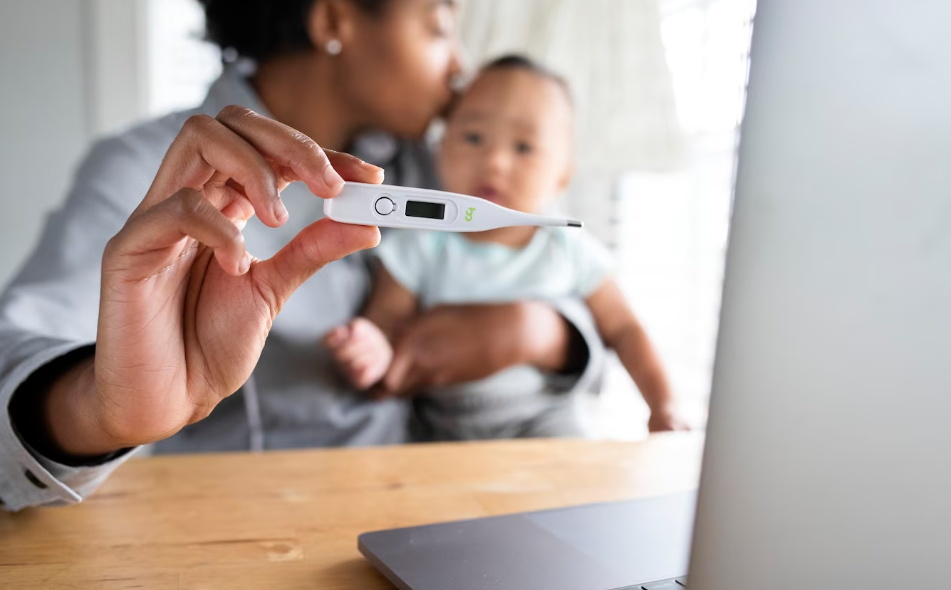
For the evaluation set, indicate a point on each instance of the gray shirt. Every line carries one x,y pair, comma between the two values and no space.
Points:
295,398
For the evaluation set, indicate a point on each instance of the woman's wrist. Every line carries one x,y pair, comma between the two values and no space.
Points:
72,416
55,411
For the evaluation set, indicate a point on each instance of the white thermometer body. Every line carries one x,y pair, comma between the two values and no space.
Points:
416,208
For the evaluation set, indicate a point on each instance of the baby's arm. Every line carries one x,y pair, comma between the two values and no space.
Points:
622,331
363,347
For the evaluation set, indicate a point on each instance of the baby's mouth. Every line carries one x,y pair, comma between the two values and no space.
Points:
487,192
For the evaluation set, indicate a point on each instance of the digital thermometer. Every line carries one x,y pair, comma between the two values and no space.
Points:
417,208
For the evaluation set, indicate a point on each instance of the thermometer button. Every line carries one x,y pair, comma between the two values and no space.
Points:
384,206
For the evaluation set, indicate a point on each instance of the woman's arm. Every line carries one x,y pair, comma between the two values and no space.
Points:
622,331
459,343
184,309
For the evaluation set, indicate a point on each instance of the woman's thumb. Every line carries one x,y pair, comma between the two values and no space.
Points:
316,245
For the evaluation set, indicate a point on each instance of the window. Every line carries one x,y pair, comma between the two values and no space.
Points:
673,225
181,65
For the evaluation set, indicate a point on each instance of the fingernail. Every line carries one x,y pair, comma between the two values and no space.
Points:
280,211
374,168
333,180
245,265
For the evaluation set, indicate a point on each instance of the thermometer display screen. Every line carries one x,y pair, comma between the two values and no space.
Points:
425,210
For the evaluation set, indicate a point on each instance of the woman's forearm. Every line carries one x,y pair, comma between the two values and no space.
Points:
545,339
458,343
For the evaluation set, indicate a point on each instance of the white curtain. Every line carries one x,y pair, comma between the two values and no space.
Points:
611,53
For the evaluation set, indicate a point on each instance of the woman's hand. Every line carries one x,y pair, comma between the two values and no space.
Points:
455,344
184,309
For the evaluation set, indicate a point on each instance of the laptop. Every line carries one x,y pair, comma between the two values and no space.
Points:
828,456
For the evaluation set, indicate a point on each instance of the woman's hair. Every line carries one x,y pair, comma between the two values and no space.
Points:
262,29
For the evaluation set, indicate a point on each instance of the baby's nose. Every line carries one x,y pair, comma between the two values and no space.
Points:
496,159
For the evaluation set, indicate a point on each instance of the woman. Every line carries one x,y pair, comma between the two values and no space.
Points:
107,344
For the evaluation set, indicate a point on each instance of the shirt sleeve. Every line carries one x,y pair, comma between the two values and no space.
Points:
407,255
590,378
51,309
593,263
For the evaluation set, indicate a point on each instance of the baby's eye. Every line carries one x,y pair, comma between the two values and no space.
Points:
523,147
472,138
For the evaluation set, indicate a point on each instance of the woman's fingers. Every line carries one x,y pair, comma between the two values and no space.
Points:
350,167
239,211
205,153
296,156
146,245
255,156
316,245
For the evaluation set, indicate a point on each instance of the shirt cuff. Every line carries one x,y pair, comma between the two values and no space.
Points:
26,477
591,377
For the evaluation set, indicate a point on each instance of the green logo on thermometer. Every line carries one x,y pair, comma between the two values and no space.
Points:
469,213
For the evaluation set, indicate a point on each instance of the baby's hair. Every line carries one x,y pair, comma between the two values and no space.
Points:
514,61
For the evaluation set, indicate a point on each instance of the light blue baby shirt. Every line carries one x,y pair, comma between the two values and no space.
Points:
447,268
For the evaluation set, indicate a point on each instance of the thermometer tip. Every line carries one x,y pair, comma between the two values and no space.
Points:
573,223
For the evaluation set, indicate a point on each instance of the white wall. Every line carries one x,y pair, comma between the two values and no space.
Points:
69,71
43,122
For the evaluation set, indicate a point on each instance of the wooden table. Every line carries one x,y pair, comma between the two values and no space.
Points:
287,520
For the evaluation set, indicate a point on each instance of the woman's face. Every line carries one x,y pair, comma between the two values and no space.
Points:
401,63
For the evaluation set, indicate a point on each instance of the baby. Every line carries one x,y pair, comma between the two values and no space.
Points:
508,140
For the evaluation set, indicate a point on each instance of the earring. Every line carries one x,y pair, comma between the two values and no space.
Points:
334,47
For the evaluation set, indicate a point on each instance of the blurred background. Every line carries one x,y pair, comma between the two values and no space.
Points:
659,88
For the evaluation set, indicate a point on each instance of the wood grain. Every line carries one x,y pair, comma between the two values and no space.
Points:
288,520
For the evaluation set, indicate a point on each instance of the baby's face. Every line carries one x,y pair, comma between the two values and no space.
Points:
509,140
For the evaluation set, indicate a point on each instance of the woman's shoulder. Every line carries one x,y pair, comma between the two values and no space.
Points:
145,141
134,154
120,167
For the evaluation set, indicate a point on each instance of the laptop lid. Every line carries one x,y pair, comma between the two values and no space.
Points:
826,463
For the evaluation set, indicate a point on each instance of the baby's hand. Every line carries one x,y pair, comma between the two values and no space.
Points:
361,350
667,418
